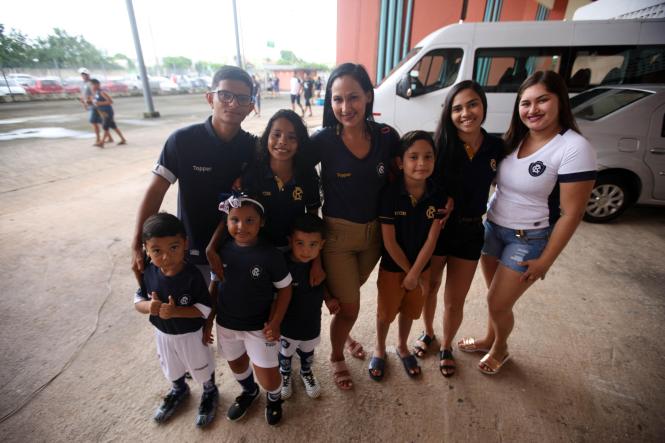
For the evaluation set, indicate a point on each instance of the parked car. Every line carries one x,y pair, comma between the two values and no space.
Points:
72,85
626,125
25,80
11,86
115,86
162,84
48,85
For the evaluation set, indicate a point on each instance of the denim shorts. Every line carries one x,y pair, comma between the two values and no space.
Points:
512,246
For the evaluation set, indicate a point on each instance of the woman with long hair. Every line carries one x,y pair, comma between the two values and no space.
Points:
468,159
542,189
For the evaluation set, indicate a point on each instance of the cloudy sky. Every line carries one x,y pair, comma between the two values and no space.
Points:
197,29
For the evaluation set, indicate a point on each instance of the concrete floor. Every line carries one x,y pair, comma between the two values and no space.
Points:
78,363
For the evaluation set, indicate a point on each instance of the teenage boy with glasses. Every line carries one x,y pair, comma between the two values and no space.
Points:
205,159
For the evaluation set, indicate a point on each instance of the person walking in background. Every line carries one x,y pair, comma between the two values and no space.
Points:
102,102
275,87
86,100
295,91
256,91
308,92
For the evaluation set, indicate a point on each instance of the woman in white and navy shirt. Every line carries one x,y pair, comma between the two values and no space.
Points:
542,189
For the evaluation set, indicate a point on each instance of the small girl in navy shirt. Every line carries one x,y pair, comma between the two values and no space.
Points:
248,312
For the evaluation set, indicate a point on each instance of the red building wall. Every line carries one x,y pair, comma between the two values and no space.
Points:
357,32
358,22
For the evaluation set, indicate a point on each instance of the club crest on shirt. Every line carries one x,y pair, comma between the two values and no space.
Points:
431,211
184,300
493,164
285,344
536,168
297,193
381,169
255,272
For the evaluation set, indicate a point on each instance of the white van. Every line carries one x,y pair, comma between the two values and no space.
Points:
500,55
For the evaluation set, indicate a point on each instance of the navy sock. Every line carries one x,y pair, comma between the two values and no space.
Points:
180,385
284,364
248,384
306,359
210,384
275,396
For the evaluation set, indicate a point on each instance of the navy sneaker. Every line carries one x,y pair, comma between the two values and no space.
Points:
242,404
273,411
207,407
170,403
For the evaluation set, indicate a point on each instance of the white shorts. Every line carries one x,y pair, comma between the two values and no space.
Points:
288,345
184,353
234,344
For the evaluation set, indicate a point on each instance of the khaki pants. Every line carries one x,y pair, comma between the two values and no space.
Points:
349,255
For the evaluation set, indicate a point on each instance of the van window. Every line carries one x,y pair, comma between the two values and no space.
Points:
606,102
612,65
406,58
504,69
436,70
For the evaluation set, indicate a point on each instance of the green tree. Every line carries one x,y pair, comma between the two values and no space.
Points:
178,65
16,50
287,57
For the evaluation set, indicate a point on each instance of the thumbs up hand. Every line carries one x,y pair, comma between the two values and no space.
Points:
168,310
155,303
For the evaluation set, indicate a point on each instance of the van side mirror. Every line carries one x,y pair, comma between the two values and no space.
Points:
404,87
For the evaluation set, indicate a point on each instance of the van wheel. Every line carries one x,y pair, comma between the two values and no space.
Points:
609,198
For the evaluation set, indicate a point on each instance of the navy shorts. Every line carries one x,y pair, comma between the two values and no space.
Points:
461,238
295,98
512,246
94,116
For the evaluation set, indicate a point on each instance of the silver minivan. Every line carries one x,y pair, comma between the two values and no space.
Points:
626,125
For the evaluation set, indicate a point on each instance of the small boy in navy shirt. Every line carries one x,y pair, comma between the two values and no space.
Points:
410,214
174,294
249,313
301,327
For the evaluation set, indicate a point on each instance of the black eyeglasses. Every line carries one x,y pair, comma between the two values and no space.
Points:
227,97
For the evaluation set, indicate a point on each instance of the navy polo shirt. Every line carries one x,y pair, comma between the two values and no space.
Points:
283,202
205,167
302,320
412,220
251,274
473,178
352,186
187,288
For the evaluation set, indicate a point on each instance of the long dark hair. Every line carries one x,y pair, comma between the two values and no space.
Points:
302,135
449,147
359,74
554,84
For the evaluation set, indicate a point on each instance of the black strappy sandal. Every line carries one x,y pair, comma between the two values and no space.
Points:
418,350
447,354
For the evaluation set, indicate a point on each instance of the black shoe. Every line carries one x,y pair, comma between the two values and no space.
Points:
207,408
242,404
273,411
170,404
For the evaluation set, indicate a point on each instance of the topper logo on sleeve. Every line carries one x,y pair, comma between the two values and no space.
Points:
380,169
255,272
536,168
201,168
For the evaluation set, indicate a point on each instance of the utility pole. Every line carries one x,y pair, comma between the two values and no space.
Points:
147,93
235,23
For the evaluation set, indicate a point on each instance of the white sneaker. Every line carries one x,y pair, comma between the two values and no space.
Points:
287,387
311,385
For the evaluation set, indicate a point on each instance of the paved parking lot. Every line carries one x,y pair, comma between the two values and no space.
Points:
78,363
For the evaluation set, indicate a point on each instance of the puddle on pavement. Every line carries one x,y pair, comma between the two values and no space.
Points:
61,118
44,133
